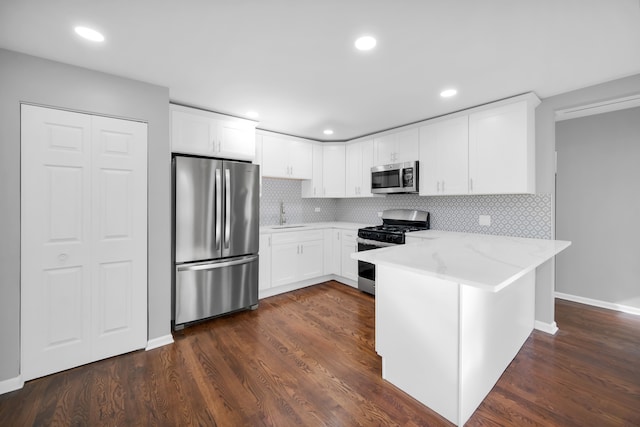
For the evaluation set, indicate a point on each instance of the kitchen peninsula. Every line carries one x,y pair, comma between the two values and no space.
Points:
452,311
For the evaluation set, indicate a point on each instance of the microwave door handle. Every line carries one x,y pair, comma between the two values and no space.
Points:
218,208
227,207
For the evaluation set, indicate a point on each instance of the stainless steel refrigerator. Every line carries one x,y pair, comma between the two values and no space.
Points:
216,212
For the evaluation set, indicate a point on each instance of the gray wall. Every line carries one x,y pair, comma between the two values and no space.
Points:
25,78
545,164
597,207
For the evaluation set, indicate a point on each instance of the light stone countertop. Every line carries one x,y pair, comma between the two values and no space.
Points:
266,229
484,261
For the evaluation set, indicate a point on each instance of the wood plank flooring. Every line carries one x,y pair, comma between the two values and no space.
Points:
307,358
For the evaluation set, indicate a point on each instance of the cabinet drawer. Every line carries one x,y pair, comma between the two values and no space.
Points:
296,236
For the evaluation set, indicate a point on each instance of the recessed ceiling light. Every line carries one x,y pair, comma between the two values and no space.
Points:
328,132
89,34
365,43
252,114
448,93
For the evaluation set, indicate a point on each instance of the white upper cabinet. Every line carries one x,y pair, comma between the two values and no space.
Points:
286,158
333,170
444,153
502,149
359,160
313,187
200,132
396,147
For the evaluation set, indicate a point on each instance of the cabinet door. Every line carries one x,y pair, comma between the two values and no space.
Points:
333,173
284,263
313,187
353,178
407,143
444,157
264,272
332,249
349,246
236,140
428,168
367,162
192,133
300,159
499,152
311,259
384,149
275,157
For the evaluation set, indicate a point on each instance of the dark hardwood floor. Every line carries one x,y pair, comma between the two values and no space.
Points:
307,358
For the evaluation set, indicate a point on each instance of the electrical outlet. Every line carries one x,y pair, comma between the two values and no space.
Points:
317,209
484,220
379,214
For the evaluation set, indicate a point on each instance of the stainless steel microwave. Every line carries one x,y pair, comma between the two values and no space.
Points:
395,178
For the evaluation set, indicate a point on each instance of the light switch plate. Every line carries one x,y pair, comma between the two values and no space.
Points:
484,220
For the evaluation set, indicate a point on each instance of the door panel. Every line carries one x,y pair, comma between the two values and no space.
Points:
119,210
242,220
55,240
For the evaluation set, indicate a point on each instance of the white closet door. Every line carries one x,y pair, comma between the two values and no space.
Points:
119,234
74,196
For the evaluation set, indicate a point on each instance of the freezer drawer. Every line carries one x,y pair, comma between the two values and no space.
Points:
210,289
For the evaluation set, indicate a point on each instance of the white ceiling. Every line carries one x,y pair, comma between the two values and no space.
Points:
294,61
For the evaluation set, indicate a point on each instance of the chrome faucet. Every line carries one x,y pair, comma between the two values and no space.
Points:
283,218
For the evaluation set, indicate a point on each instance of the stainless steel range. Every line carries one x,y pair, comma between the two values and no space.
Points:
395,223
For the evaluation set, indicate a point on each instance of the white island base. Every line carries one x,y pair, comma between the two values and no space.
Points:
444,343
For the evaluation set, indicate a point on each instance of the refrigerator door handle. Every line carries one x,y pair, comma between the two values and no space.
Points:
218,208
213,266
227,208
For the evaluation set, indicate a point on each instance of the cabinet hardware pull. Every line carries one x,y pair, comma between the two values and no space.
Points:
438,186
471,184
443,186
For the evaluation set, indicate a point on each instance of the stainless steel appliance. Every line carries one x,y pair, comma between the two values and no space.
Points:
216,211
395,223
395,178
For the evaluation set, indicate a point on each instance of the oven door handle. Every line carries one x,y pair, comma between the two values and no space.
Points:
375,243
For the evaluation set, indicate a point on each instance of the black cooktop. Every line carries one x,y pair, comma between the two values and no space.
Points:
392,230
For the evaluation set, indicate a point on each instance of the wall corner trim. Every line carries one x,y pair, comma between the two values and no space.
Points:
549,328
11,384
159,342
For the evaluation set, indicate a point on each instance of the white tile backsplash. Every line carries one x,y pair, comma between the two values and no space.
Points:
297,209
521,215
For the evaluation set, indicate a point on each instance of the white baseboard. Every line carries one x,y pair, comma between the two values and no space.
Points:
597,303
159,342
11,384
265,293
550,328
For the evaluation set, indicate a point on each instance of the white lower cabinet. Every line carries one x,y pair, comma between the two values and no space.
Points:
293,259
296,256
349,266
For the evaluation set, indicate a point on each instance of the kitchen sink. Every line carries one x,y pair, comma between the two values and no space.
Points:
286,226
